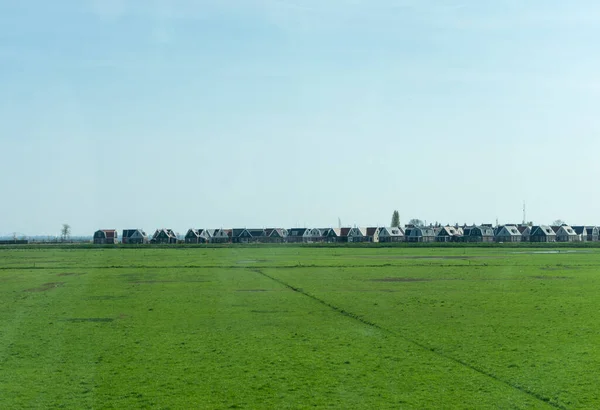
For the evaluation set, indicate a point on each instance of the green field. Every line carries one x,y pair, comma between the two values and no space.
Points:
296,327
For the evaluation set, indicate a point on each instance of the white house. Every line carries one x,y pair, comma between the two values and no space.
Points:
389,234
509,233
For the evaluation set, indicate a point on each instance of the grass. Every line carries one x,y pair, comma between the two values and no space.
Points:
298,327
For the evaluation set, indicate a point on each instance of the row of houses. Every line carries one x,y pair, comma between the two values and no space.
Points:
410,233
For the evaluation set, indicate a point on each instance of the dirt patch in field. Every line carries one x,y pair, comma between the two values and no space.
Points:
71,274
105,297
139,282
269,311
89,319
448,257
558,268
252,290
401,280
550,277
45,287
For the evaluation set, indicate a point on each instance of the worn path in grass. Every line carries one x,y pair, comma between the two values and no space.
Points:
294,327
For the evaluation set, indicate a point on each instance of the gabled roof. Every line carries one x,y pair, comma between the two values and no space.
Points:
449,231
542,230
237,232
344,231
508,230
297,232
356,232
390,231
167,232
330,232
256,233
128,233
371,231
566,230
584,230
192,233
276,232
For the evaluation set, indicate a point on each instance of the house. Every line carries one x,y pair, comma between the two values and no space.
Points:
448,234
134,236
372,234
482,233
587,233
565,233
390,234
235,234
420,234
542,233
508,233
314,235
106,237
197,236
342,234
248,235
220,235
357,235
330,235
258,235
164,236
525,232
275,235
296,235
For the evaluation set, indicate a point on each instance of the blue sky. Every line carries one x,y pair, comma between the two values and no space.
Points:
181,113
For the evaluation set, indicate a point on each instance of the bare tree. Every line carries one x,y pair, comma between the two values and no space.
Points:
416,222
558,222
65,232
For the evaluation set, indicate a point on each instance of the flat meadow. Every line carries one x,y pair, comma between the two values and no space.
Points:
299,327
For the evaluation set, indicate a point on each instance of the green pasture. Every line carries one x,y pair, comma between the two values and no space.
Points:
294,327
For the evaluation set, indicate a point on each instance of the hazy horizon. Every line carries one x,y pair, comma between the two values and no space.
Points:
207,114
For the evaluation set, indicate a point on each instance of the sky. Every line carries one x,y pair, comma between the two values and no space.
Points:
285,113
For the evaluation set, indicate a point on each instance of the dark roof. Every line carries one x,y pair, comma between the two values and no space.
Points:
237,231
256,233
542,230
191,233
327,232
371,231
127,233
297,231
344,231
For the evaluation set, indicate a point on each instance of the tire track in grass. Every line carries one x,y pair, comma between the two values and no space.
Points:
433,350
